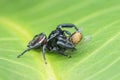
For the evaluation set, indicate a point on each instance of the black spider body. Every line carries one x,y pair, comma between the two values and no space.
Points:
58,41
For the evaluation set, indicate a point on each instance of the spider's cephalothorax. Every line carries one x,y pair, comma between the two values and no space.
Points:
58,40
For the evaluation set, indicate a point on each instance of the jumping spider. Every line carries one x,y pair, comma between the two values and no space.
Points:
58,41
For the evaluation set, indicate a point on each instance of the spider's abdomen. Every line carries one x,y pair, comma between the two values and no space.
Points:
39,40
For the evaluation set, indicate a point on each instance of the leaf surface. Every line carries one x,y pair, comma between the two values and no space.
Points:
98,59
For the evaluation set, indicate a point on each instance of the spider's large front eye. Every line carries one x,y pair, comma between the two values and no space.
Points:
76,37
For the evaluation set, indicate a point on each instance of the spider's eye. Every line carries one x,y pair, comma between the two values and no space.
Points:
76,37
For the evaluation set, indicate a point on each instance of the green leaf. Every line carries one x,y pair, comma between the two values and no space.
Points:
98,59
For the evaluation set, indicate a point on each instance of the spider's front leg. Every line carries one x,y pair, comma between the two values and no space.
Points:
62,52
63,42
67,26
64,45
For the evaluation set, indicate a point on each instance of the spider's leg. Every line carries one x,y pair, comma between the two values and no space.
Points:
67,32
65,45
63,53
43,53
28,49
24,52
67,26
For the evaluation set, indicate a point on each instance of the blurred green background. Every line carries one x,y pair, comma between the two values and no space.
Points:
98,59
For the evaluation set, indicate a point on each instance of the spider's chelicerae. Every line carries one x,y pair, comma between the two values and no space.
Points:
58,41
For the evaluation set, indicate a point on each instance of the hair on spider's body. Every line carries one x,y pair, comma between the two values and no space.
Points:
58,41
